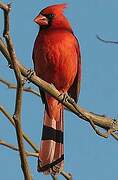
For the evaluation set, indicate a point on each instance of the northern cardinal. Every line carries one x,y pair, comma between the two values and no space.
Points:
56,57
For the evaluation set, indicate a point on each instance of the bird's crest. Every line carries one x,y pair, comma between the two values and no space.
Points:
57,8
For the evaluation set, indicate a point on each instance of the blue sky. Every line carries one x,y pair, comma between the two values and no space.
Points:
87,156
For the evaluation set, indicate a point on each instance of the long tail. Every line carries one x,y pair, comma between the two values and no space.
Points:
51,154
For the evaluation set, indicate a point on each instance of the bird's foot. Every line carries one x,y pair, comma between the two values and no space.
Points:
30,73
56,170
64,97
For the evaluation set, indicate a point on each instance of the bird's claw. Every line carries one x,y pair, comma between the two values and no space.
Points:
65,97
30,73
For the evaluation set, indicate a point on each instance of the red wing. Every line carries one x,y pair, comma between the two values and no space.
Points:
75,88
42,93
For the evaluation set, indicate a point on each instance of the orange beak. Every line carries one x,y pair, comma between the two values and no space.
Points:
41,20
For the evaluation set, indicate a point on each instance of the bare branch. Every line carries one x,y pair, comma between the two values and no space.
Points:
19,92
4,7
12,147
13,86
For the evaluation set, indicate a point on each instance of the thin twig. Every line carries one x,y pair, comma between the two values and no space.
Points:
28,140
106,41
12,147
19,92
13,86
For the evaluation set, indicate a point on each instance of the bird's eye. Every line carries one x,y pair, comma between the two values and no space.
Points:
50,16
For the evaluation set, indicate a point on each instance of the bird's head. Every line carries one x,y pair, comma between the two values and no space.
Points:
53,17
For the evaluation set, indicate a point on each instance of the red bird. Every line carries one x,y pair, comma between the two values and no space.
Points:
56,57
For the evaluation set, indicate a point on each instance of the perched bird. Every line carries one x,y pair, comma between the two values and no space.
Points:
56,57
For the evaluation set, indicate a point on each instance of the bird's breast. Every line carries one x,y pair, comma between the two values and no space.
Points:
56,59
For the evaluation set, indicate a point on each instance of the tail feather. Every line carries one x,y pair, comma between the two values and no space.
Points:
51,148
59,148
